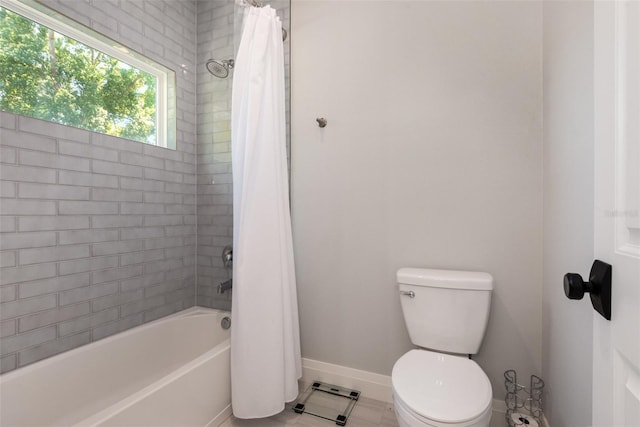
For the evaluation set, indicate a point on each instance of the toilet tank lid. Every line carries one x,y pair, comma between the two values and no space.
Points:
450,279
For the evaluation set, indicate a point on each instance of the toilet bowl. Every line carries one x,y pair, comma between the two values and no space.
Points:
435,389
438,385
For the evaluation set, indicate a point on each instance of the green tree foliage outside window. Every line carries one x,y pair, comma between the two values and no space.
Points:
49,76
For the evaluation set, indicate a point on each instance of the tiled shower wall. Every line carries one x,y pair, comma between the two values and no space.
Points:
215,193
215,197
98,232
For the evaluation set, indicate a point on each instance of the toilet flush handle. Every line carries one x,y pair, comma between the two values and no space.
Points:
410,294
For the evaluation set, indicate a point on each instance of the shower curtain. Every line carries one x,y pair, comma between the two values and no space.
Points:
265,338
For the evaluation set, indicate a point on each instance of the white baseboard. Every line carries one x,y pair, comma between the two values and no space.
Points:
221,417
372,385
499,406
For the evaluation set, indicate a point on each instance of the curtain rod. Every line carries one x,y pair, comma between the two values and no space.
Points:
258,3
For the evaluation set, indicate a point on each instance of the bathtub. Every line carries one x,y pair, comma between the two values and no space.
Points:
170,372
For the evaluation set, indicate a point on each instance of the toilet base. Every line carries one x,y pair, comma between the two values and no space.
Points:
406,418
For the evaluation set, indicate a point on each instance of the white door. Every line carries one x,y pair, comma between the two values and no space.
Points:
616,351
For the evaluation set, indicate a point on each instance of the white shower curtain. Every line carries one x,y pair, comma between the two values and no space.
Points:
265,338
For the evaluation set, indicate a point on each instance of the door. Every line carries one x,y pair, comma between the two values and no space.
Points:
616,351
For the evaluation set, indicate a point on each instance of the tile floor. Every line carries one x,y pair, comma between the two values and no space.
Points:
366,413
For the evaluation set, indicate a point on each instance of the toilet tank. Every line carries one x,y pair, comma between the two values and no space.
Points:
445,310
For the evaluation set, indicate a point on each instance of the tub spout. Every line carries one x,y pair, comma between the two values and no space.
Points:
225,286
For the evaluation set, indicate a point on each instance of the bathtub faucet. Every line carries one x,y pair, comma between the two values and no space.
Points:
225,286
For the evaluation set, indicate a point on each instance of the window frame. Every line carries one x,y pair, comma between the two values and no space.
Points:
165,87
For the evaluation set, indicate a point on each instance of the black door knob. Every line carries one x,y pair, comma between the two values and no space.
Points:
598,287
575,287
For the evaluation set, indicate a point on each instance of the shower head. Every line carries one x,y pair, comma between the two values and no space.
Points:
220,68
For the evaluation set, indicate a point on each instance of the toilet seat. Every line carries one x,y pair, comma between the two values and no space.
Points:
407,418
440,388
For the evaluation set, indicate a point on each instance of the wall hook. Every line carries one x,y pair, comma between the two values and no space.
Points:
322,122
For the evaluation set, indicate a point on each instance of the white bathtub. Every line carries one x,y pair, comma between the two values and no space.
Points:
170,372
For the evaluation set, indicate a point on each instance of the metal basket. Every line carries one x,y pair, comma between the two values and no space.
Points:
524,404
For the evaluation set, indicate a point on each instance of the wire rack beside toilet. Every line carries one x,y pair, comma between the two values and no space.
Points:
524,404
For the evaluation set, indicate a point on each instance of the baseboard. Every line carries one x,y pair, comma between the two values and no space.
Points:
372,385
499,412
221,417
499,406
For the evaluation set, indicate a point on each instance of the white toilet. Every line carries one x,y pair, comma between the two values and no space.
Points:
446,313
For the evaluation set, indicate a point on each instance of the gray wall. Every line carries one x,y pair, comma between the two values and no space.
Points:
568,196
98,233
432,157
218,32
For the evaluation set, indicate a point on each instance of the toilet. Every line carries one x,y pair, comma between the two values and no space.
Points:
446,314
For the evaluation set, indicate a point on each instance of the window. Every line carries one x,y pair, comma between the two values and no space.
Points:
55,69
